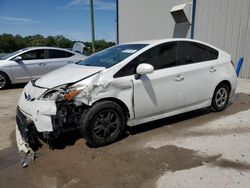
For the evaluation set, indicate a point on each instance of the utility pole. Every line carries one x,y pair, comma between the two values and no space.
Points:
92,25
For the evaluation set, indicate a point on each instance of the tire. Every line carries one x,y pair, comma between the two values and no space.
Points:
4,81
103,123
220,98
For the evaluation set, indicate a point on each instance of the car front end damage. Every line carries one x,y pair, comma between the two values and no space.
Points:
46,113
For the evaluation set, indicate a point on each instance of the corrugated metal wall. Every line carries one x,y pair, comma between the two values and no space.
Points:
145,19
223,23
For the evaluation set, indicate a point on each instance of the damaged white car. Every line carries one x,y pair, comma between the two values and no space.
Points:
128,84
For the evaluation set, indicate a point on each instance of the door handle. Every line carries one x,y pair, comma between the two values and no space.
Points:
42,64
212,69
70,62
178,78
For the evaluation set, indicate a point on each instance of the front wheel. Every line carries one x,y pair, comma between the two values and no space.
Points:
220,98
4,80
103,123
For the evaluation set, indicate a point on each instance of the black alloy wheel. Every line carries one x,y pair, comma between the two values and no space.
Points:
103,123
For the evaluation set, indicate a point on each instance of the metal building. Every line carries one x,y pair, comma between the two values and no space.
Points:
223,23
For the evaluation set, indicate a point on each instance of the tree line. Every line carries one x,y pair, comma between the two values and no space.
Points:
10,43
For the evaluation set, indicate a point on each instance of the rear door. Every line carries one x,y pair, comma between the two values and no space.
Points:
57,58
199,70
31,66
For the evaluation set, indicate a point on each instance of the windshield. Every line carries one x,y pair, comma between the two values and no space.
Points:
13,54
111,56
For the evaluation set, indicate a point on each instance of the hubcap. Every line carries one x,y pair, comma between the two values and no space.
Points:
2,81
105,124
221,97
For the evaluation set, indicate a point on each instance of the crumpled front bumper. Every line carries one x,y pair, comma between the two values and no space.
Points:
45,118
26,133
22,145
39,111
33,116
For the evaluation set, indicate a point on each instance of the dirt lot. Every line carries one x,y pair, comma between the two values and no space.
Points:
197,149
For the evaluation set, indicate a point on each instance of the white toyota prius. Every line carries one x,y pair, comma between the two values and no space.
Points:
128,84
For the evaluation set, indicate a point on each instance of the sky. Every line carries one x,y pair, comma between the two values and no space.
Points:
70,18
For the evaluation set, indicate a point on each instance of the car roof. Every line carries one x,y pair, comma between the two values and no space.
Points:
159,41
46,47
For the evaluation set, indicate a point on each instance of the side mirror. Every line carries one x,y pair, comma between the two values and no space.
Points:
144,68
17,58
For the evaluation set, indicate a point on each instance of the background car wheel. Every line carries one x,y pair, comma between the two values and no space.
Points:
103,123
4,80
220,98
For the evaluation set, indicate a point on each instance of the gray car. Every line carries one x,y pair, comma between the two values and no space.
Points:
29,63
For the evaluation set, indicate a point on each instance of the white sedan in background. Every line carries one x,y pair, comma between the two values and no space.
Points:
128,84
29,63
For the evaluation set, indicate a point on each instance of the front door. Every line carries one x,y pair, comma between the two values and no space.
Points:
32,65
161,91
158,93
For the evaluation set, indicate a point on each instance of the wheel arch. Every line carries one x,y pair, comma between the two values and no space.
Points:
8,76
225,82
119,102
214,106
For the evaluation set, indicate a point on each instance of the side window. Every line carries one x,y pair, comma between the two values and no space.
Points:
213,53
59,54
33,54
68,54
160,57
192,52
128,69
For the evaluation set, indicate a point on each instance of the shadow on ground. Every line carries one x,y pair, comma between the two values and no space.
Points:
66,139
16,86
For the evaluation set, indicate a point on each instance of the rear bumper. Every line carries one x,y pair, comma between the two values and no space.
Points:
232,93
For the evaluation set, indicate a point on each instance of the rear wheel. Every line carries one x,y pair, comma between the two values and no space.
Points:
4,80
220,98
103,123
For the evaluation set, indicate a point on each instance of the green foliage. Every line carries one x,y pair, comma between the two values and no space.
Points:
99,45
10,43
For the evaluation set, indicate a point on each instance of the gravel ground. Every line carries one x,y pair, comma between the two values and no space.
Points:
196,149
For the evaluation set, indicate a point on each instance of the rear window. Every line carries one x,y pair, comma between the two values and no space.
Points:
192,52
59,54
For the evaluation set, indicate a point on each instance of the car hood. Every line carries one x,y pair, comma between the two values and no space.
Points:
67,74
